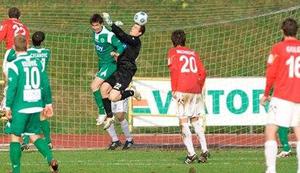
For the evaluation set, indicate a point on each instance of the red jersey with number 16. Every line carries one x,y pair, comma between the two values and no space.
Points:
186,70
11,27
283,70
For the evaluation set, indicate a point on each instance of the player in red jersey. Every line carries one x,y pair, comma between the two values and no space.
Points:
283,75
187,79
9,28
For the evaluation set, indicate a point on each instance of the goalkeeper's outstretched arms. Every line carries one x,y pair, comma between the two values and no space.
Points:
122,36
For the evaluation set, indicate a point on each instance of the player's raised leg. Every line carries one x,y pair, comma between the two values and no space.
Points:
105,89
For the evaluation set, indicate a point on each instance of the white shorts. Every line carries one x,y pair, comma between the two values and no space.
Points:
283,113
189,105
119,106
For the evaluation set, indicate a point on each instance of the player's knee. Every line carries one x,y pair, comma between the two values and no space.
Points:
33,138
15,138
185,130
114,95
120,116
96,83
94,87
105,89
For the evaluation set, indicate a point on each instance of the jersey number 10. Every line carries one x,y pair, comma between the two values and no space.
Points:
32,78
189,64
294,66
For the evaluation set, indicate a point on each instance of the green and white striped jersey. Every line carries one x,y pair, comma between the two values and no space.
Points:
106,42
26,91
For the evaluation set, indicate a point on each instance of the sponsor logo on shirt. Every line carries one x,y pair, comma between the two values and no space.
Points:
102,40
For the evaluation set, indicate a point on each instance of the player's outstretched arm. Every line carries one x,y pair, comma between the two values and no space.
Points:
125,38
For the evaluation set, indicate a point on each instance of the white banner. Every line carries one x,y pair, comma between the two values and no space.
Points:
229,102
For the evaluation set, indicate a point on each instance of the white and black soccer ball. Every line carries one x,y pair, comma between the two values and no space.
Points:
140,18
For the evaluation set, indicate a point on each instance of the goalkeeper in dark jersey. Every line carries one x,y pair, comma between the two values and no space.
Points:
113,89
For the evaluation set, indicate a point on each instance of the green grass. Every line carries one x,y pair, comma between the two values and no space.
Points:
233,48
150,161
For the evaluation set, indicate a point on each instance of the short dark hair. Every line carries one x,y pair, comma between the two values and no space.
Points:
20,43
289,27
37,38
96,18
14,12
178,38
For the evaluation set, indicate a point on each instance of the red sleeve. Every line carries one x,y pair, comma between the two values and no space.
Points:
3,31
172,64
201,72
271,70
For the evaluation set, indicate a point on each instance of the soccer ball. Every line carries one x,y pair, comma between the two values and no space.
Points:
140,18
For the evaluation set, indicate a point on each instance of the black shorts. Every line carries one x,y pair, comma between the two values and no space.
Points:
120,79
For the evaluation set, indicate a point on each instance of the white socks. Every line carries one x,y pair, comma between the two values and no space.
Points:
112,133
125,128
187,139
270,154
201,136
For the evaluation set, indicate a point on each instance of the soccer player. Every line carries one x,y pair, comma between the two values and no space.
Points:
187,79
42,54
113,89
282,74
119,109
105,43
26,95
11,27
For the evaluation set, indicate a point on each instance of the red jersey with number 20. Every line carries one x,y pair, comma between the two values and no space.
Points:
11,27
186,70
283,70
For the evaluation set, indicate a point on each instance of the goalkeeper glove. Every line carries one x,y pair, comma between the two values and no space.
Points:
107,19
118,23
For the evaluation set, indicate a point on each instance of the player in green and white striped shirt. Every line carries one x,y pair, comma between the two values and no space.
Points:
42,54
105,42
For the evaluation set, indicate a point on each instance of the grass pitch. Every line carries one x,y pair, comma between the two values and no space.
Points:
149,161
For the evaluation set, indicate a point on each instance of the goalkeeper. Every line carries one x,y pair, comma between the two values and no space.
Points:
113,89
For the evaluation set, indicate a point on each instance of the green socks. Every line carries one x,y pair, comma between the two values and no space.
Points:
43,148
283,137
45,126
26,139
15,156
98,99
